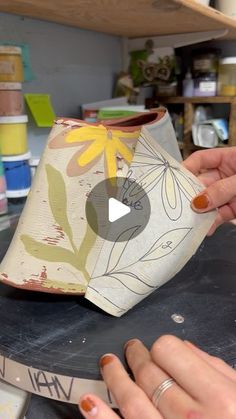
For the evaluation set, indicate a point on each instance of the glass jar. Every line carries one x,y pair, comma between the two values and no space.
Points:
205,86
227,77
205,63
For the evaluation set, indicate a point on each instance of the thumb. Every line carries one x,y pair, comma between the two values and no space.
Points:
216,195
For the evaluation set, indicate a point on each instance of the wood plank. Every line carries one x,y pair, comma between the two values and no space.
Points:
194,147
131,18
200,100
188,122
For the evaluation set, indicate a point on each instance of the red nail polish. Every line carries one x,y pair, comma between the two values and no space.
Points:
106,359
201,202
88,406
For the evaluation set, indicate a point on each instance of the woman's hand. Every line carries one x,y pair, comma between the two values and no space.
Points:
204,387
216,169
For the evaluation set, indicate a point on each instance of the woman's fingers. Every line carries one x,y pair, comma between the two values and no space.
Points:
204,386
93,407
209,177
130,398
146,373
202,160
216,195
216,169
197,377
149,377
214,361
224,214
218,221
215,158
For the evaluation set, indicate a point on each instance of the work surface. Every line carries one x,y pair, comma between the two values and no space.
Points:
67,335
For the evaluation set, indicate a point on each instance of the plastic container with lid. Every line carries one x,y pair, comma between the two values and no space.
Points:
13,135
227,77
11,99
11,67
18,175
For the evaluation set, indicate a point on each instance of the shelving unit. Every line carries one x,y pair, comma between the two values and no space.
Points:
187,21
128,18
187,145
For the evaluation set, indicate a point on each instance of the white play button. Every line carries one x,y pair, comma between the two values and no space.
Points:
115,213
117,210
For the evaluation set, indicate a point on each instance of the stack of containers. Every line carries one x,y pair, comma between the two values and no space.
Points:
13,124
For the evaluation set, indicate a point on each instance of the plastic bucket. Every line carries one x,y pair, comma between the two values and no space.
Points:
18,175
11,99
11,67
13,135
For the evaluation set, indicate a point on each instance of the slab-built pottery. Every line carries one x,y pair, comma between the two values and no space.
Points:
54,249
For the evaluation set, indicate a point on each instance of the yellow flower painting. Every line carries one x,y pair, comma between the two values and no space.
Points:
93,143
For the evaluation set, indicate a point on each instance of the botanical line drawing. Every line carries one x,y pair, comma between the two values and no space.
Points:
162,247
175,183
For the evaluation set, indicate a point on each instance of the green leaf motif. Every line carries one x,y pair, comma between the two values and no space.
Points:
49,253
90,236
57,199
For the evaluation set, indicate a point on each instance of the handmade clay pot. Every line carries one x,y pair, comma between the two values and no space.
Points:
161,129
51,248
59,247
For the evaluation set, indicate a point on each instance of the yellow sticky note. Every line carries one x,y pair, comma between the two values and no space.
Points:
41,109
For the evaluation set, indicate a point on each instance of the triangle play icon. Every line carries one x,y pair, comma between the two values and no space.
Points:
117,210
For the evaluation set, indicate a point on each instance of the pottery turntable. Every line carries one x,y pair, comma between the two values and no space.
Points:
50,344
69,294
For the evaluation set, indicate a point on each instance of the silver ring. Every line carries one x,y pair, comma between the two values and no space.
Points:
160,390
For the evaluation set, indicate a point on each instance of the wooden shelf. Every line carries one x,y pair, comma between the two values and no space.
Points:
187,146
130,18
196,99
194,147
